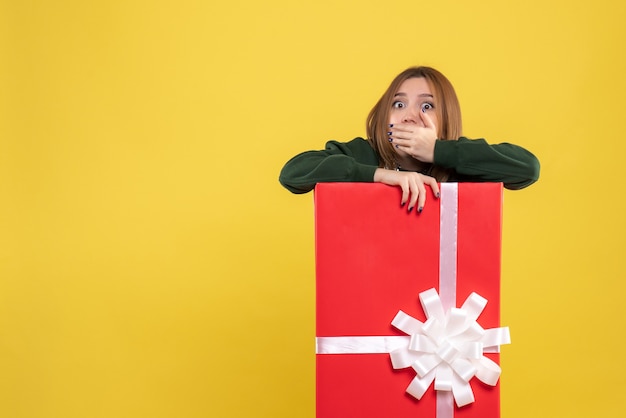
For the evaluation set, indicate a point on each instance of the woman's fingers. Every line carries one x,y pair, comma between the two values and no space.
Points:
405,193
421,199
428,122
413,186
432,182
415,192
417,141
418,191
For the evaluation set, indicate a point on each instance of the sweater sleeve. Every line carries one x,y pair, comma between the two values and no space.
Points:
353,161
476,160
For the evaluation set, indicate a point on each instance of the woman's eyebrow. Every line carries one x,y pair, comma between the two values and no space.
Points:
419,95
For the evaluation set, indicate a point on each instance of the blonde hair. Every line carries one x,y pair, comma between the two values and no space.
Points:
447,109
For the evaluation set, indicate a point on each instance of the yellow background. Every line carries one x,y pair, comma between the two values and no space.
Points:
152,266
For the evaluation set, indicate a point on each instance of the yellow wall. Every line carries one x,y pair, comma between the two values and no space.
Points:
152,266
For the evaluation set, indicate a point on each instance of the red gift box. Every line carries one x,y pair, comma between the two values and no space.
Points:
373,258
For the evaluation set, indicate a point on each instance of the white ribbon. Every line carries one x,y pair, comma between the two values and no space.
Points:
448,228
446,349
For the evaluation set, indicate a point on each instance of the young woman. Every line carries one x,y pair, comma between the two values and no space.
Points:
414,139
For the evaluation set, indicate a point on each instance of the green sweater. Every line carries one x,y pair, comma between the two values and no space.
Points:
470,160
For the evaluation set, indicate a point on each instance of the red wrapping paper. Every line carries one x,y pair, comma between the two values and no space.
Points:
373,258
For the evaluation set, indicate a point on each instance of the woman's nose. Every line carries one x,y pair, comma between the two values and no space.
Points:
410,116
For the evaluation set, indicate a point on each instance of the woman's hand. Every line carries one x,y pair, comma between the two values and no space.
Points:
415,140
411,183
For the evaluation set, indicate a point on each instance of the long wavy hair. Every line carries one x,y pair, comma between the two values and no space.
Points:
447,109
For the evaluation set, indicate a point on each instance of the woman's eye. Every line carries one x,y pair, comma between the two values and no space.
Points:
427,106
397,105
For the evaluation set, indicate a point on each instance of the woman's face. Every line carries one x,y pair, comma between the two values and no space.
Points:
413,96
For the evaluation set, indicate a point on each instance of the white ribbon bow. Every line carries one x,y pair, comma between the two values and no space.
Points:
448,348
